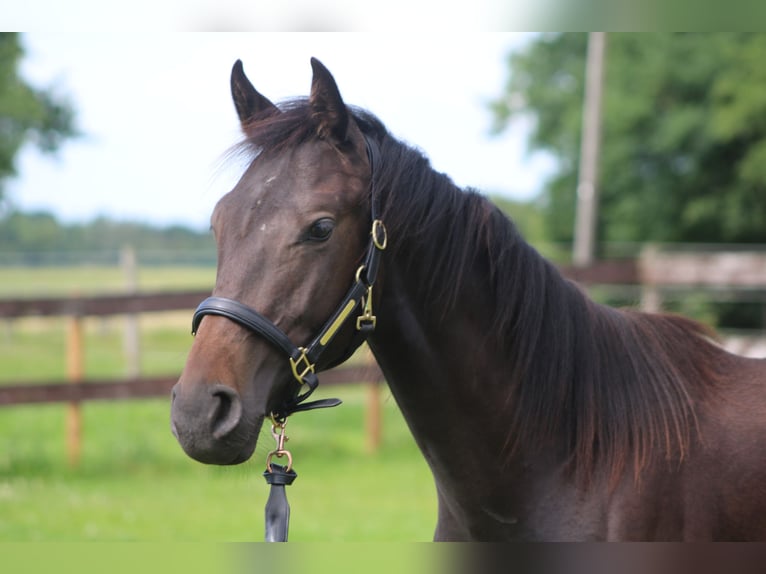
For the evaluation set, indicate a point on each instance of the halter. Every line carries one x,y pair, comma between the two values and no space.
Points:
303,360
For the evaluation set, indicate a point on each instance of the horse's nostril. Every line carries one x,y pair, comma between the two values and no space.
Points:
226,412
222,408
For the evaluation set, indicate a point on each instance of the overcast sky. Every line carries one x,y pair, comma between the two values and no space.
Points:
157,118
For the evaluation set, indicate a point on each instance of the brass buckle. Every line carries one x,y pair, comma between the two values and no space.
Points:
377,227
306,368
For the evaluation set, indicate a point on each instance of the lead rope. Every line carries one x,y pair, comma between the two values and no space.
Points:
277,511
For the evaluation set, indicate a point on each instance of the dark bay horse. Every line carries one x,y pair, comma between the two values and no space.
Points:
542,415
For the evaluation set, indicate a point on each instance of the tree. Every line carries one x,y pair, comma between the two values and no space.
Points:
27,114
683,133
34,238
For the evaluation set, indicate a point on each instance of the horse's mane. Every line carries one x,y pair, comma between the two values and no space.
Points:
615,388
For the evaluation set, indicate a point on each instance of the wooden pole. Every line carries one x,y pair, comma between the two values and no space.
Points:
651,298
374,419
587,190
75,365
131,341
374,422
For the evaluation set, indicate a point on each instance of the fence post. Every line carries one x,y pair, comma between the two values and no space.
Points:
75,365
651,298
132,344
373,420
586,216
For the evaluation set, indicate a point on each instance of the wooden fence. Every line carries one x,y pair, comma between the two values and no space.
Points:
77,388
654,271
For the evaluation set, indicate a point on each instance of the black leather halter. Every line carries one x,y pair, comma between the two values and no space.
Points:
303,360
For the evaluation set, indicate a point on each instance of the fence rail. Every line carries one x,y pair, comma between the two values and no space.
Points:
621,272
101,305
654,268
145,387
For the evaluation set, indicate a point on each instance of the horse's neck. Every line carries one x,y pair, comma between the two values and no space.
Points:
447,376
444,353
536,363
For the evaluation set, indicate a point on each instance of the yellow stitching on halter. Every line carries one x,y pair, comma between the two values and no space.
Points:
308,368
338,323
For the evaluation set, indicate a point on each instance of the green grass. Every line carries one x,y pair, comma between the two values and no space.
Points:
135,483
95,279
35,348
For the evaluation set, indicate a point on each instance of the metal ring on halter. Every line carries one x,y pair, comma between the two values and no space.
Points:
359,273
377,227
280,454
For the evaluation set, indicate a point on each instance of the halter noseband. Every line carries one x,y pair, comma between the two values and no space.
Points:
303,360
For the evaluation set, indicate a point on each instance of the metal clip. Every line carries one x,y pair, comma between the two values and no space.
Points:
366,317
280,438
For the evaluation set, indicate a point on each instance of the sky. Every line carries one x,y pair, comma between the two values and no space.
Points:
157,119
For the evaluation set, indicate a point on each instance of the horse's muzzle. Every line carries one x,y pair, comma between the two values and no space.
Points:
210,425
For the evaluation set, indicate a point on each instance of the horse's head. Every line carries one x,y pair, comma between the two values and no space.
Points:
290,236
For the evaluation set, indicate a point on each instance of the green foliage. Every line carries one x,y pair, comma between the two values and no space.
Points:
27,114
35,238
526,215
684,133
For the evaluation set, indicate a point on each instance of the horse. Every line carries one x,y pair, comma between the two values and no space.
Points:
542,414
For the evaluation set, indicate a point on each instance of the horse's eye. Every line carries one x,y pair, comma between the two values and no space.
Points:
321,229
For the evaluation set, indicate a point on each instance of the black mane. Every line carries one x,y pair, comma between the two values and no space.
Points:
616,388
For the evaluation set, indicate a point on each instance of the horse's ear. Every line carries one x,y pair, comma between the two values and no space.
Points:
327,107
248,101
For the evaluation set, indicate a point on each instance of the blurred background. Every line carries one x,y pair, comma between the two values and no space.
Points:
113,154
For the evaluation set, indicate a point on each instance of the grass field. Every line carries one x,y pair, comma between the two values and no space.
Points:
135,483
93,279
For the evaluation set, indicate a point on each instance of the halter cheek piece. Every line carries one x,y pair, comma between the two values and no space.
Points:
303,360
